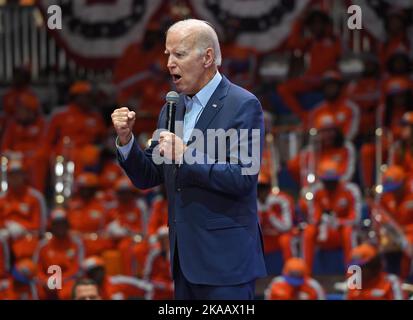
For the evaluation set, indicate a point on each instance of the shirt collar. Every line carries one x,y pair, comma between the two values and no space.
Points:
206,92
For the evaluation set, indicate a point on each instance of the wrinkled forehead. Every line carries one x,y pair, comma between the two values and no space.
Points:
180,38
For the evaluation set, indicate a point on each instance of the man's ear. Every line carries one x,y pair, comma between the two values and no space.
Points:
209,57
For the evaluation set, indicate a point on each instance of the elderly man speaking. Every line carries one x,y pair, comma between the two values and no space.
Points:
215,239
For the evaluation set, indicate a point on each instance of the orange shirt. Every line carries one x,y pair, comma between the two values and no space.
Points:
87,217
279,289
307,162
366,94
10,99
25,139
345,113
81,127
131,216
384,287
344,202
330,46
27,207
393,45
158,271
158,216
66,253
276,217
400,210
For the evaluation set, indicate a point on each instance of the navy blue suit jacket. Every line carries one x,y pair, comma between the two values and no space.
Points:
212,208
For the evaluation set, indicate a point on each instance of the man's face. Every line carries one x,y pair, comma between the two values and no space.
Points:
87,292
185,63
16,179
332,90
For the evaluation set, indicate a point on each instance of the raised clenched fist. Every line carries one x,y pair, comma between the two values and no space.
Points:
123,120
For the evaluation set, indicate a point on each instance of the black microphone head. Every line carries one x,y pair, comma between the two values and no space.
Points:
172,97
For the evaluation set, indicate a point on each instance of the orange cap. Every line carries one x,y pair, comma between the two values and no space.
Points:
396,85
363,253
92,262
393,178
295,265
325,121
80,87
87,179
329,170
27,268
29,101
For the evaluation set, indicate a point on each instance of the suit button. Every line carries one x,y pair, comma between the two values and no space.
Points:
178,189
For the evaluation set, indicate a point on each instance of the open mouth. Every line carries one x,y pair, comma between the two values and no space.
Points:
176,78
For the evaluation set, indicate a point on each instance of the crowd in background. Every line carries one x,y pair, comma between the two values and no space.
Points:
349,186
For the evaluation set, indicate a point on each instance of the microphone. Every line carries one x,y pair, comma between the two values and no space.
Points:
172,99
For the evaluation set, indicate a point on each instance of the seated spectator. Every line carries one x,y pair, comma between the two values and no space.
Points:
61,248
332,215
311,35
115,287
87,214
25,134
396,204
345,112
20,85
23,211
157,269
275,211
294,284
375,283
396,35
328,144
75,126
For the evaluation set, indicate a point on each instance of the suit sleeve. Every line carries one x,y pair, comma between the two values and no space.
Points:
139,166
229,177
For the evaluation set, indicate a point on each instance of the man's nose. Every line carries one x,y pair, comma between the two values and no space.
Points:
171,62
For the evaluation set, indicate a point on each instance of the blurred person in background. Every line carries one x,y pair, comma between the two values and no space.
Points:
332,215
401,151
345,112
61,248
396,203
158,267
396,23
311,35
295,283
275,211
375,283
23,211
75,126
20,85
397,99
329,143
115,287
25,134
87,214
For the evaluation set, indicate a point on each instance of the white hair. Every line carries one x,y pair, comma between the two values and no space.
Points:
206,36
